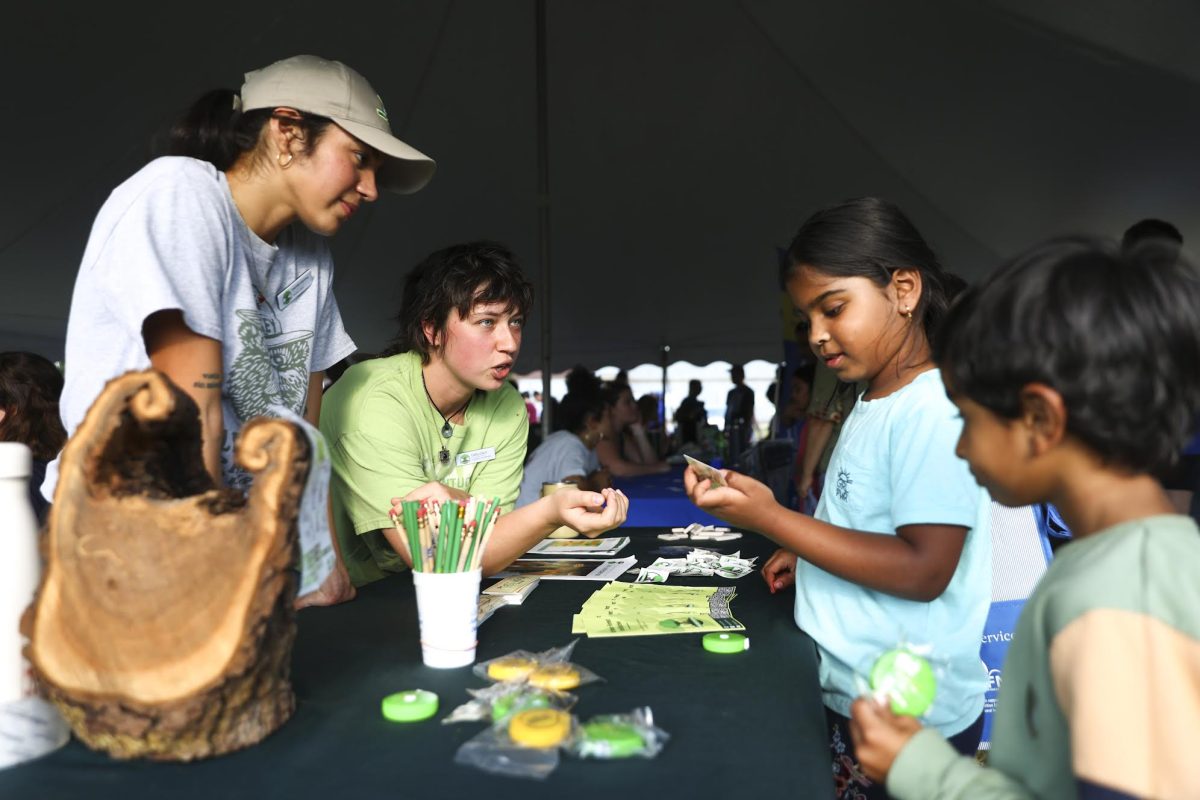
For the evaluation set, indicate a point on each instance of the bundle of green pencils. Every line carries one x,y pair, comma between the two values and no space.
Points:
446,536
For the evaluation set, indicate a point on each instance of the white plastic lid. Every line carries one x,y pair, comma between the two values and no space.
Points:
15,460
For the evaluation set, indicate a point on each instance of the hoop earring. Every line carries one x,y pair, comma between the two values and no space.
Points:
285,164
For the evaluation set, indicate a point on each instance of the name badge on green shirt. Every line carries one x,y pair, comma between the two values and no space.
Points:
475,456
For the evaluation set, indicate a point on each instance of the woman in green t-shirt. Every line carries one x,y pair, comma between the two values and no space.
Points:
438,419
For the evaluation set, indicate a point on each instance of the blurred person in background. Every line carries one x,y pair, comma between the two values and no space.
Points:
739,414
648,409
567,455
691,416
30,387
629,452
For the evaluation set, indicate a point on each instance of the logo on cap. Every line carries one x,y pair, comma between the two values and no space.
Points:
379,109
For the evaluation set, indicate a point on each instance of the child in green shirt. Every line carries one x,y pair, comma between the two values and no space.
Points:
1075,370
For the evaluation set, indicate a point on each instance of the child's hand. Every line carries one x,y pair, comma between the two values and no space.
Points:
743,501
780,570
879,736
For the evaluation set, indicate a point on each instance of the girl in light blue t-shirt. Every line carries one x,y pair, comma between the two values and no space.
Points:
898,550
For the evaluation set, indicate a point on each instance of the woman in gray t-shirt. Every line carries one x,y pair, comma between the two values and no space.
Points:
210,264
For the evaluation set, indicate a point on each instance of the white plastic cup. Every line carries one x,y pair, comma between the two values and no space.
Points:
447,607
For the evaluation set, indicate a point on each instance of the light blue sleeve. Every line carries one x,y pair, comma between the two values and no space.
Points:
929,483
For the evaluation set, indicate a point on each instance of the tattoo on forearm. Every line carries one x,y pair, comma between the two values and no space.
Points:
212,380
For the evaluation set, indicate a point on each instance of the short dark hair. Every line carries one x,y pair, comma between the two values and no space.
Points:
1115,333
30,387
457,278
868,237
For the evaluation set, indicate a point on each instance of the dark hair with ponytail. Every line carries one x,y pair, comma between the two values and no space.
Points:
871,238
214,130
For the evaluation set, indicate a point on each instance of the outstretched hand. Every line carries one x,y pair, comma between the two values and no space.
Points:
879,736
591,513
743,501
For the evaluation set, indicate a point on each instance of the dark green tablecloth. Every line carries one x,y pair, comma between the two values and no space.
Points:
742,725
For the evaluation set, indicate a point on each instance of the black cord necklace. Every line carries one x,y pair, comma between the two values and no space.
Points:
447,428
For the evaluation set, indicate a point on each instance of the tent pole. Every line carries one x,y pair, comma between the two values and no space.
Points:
666,356
544,212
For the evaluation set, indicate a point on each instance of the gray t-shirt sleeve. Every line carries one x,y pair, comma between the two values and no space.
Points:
171,249
332,342
562,455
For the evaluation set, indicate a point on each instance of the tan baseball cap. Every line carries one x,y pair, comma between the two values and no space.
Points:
331,89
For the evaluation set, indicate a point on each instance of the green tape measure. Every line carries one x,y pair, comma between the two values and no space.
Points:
511,704
411,706
906,679
726,642
611,740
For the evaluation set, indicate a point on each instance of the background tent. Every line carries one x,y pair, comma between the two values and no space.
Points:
687,140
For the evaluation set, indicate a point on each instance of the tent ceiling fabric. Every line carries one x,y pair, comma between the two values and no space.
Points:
687,141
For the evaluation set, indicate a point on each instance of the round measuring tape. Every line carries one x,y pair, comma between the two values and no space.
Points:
503,706
508,669
906,680
555,676
611,740
410,706
726,642
539,727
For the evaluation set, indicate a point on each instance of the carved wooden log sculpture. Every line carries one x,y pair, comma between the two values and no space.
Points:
163,626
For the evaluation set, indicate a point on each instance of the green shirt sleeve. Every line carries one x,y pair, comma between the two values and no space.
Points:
928,767
378,457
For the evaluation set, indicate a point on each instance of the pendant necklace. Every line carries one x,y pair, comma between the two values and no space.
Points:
447,428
